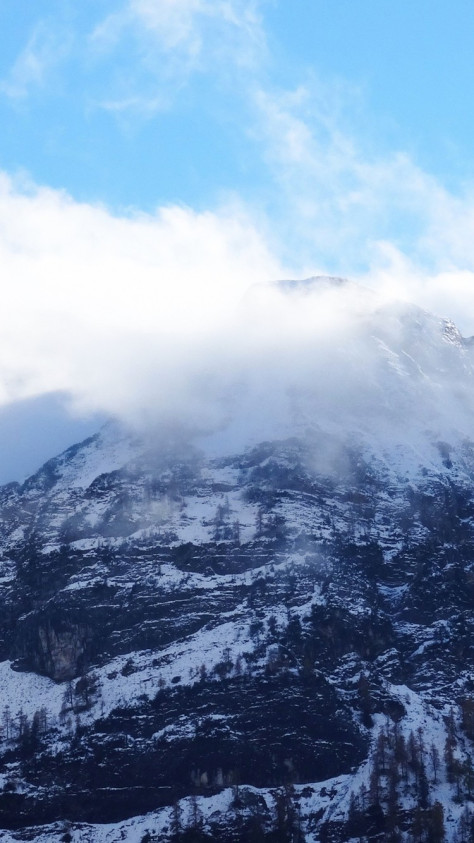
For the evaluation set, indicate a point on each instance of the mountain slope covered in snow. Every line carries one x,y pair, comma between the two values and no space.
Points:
264,632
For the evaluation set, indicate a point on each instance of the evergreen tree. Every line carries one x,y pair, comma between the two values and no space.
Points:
467,712
437,831
449,747
175,824
236,532
418,825
413,754
381,753
449,760
465,826
435,761
374,783
469,777
392,801
365,700
401,755
7,722
423,787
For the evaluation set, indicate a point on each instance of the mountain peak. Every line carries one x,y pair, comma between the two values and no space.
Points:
312,283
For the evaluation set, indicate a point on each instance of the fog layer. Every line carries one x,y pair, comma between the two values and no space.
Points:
178,319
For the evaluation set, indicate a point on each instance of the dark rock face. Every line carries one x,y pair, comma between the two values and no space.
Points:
239,623
50,642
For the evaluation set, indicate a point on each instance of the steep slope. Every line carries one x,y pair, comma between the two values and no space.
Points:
273,642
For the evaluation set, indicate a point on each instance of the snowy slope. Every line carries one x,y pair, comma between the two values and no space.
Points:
266,628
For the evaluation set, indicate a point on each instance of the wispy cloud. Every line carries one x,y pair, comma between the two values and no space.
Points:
203,29
359,211
45,49
171,40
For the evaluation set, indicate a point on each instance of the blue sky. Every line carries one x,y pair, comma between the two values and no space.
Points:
144,103
103,99
167,143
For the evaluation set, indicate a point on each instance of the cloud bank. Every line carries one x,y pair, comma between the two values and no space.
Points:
118,311
176,318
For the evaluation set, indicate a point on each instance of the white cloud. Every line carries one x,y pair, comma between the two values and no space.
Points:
171,317
111,309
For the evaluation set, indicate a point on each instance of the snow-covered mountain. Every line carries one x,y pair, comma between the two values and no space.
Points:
260,633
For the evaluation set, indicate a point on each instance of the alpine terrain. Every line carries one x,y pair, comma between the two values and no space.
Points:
262,632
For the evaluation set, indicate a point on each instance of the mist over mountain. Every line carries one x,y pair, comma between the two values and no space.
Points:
243,610
325,354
